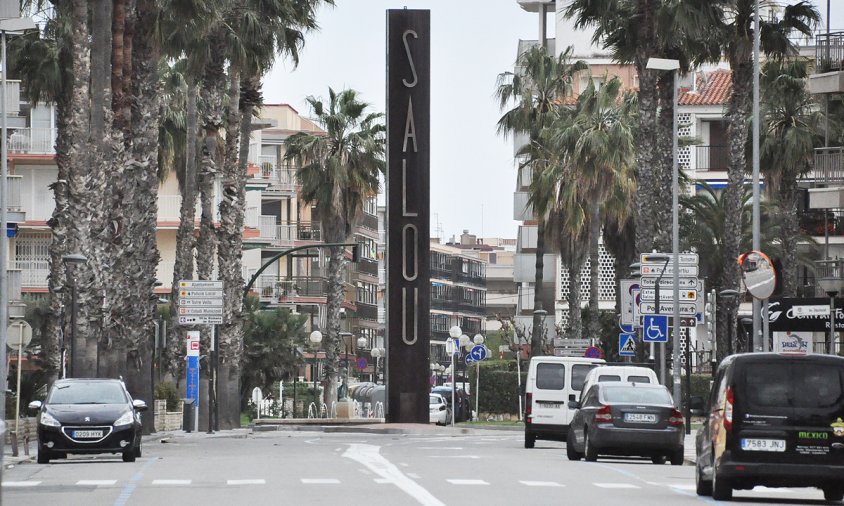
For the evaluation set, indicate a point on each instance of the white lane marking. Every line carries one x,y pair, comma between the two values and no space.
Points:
467,482
369,456
541,484
320,481
615,485
21,484
457,448
454,456
383,481
96,483
683,487
414,476
171,482
259,481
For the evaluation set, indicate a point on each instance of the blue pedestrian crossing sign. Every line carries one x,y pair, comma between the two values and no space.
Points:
627,345
655,328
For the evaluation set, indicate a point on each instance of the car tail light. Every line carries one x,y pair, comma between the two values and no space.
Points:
676,419
603,414
728,410
528,406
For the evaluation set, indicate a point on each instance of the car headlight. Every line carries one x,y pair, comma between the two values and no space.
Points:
125,419
48,420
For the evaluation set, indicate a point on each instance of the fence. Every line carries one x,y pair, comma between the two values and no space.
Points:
167,420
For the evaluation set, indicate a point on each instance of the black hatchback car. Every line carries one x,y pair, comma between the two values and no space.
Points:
88,416
622,418
773,420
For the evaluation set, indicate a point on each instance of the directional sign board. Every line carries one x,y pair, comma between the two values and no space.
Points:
653,270
201,284
667,308
200,302
649,294
200,320
627,345
685,283
655,329
684,259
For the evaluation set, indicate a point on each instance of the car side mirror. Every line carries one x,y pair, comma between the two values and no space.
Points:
139,405
34,405
574,405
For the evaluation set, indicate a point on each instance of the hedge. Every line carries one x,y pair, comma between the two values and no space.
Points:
499,387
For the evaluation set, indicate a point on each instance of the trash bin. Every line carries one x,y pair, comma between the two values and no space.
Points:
187,415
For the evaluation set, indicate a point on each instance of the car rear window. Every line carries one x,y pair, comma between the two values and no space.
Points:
550,376
634,395
609,377
638,379
578,375
794,385
435,399
87,393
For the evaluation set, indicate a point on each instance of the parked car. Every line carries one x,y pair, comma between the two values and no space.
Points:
631,373
88,416
622,418
440,413
463,412
773,420
551,383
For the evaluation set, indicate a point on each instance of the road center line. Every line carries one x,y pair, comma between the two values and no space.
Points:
541,484
96,483
259,481
20,484
369,456
171,482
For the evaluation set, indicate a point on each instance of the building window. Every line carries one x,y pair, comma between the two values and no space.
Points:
367,293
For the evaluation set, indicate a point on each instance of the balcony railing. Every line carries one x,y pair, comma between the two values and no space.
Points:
275,289
829,52
366,311
13,192
712,157
36,141
812,222
33,272
369,221
15,284
443,304
829,165
368,266
302,231
281,177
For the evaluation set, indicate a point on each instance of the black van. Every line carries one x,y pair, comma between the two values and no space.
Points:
773,420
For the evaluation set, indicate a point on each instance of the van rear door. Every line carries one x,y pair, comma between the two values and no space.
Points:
549,395
786,411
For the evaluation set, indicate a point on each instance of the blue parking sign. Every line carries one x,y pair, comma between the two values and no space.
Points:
655,328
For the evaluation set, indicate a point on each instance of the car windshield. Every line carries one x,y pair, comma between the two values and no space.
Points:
87,392
435,399
635,395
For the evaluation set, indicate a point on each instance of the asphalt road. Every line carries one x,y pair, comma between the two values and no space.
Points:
428,468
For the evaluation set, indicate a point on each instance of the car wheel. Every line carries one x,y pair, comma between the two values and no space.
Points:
833,493
530,440
43,456
138,451
721,488
702,487
129,456
571,452
678,457
658,459
589,450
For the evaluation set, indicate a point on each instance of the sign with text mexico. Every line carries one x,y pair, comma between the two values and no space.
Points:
408,213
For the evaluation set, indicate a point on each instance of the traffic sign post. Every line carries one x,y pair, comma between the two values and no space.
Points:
22,332
192,373
593,352
655,328
627,345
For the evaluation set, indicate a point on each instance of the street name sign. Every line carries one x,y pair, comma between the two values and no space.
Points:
667,308
685,283
649,294
569,352
200,320
206,284
201,311
572,343
200,302
653,270
200,294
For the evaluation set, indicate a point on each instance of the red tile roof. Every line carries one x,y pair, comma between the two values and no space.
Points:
713,88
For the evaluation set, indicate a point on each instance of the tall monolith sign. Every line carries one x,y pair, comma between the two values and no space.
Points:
408,216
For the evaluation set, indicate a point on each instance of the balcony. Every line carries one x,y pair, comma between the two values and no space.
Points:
443,304
369,221
829,166
301,231
712,157
274,289
368,266
524,268
366,311
524,178
521,209
527,237
812,222
280,177
829,52
32,141
33,272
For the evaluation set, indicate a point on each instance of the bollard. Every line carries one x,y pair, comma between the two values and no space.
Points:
14,438
187,415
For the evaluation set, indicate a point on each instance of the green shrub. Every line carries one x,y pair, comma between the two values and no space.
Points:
499,387
166,390
700,385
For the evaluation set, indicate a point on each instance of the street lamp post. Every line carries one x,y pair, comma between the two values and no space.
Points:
316,339
455,332
73,259
478,340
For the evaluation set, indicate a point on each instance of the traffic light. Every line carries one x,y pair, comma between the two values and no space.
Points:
356,253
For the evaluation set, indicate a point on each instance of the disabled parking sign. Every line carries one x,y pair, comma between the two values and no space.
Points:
655,328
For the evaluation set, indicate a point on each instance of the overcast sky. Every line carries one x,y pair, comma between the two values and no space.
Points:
473,175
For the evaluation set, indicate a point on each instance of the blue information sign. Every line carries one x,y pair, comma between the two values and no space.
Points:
626,345
192,385
478,352
655,328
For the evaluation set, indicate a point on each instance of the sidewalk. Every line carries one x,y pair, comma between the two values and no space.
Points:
689,448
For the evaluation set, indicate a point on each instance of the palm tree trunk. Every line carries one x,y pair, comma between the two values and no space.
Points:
537,333
229,254
663,164
332,343
185,240
647,201
789,230
594,325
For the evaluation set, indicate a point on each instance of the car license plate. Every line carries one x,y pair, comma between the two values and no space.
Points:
639,418
763,445
80,434
550,405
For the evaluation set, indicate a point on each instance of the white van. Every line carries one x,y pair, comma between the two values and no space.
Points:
631,373
551,383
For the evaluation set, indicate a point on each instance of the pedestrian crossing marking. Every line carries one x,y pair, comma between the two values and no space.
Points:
171,482
320,481
541,484
615,485
259,481
468,482
96,483
21,484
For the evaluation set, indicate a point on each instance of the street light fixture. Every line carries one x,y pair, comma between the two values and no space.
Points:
456,333
73,259
673,66
316,339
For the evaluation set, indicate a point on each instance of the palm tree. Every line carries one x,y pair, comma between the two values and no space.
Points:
790,132
338,170
597,181
538,86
